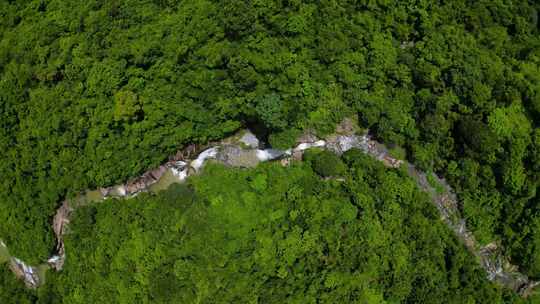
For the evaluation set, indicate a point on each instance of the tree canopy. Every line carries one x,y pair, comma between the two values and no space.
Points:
271,235
95,92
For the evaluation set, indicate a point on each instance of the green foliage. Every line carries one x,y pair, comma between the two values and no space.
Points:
126,106
285,139
324,162
13,290
532,254
95,92
432,180
509,122
272,234
271,111
398,152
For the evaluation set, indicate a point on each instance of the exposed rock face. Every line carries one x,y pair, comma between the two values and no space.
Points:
250,140
527,289
60,225
143,182
347,127
297,155
342,143
235,156
187,153
307,137
105,191
26,273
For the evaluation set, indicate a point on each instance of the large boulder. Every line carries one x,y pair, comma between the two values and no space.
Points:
250,140
235,156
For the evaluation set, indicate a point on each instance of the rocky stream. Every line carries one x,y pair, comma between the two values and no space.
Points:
245,150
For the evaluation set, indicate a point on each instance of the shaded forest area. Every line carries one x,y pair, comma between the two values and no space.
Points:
94,92
272,234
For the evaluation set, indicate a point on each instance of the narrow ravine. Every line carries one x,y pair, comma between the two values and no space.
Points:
244,150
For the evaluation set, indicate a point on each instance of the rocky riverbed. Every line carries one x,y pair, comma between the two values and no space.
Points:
245,150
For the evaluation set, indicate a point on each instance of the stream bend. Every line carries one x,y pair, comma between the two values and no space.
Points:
245,151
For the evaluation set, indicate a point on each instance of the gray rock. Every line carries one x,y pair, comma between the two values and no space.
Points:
237,157
340,143
307,138
250,140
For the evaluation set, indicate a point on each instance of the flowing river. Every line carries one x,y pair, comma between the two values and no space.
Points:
243,150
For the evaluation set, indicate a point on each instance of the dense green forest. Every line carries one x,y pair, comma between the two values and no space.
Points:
271,235
93,92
